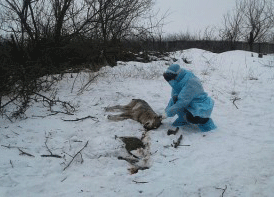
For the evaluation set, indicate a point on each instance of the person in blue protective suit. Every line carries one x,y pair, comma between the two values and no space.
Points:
188,99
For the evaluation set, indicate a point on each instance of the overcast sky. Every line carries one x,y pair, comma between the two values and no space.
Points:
193,15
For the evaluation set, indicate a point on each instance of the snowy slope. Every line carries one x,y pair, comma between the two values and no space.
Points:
236,159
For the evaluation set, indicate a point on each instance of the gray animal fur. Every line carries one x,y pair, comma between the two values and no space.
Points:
138,110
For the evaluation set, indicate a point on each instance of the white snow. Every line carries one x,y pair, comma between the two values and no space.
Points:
236,159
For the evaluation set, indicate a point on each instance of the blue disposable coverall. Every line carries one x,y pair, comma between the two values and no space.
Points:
187,96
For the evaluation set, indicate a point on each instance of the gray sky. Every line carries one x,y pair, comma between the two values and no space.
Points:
193,15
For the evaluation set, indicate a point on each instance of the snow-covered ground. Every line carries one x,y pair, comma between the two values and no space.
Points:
236,159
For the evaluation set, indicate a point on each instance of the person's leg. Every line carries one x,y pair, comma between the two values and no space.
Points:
195,119
181,120
208,126
204,124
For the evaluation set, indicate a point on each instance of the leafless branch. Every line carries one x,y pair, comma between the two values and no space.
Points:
87,84
142,182
234,100
51,155
74,83
68,107
177,143
47,145
13,99
222,189
129,160
173,160
57,156
25,153
11,163
79,152
78,119
64,179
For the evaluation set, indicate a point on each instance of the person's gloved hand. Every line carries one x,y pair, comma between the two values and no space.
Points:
164,116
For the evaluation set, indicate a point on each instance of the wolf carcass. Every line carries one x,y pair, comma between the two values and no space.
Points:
138,110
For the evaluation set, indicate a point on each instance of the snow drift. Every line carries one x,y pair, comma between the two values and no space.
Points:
236,159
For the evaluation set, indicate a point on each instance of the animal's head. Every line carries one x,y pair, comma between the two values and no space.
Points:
154,123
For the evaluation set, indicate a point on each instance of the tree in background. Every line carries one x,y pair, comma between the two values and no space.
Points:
232,25
251,20
258,21
51,36
116,21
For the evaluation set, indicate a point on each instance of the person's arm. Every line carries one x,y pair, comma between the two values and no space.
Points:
171,100
184,98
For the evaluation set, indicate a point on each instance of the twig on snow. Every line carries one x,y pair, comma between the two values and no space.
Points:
11,100
74,83
66,105
176,144
47,145
139,182
57,156
235,99
64,179
87,84
11,163
129,160
21,152
79,152
24,153
78,119
8,118
59,112
160,193
222,189
173,160
51,155
9,146
15,133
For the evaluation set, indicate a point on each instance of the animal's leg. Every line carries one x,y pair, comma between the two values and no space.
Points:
119,117
115,108
122,108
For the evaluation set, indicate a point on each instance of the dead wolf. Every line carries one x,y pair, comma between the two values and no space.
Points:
138,110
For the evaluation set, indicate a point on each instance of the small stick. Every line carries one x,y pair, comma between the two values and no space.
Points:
87,84
78,119
21,152
47,145
24,153
11,163
222,189
9,146
64,179
57,156
160,193
74,83
176,144
15,133
8,118
236,99
57,112
129,160
51,155
139,182
173,160
75,156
